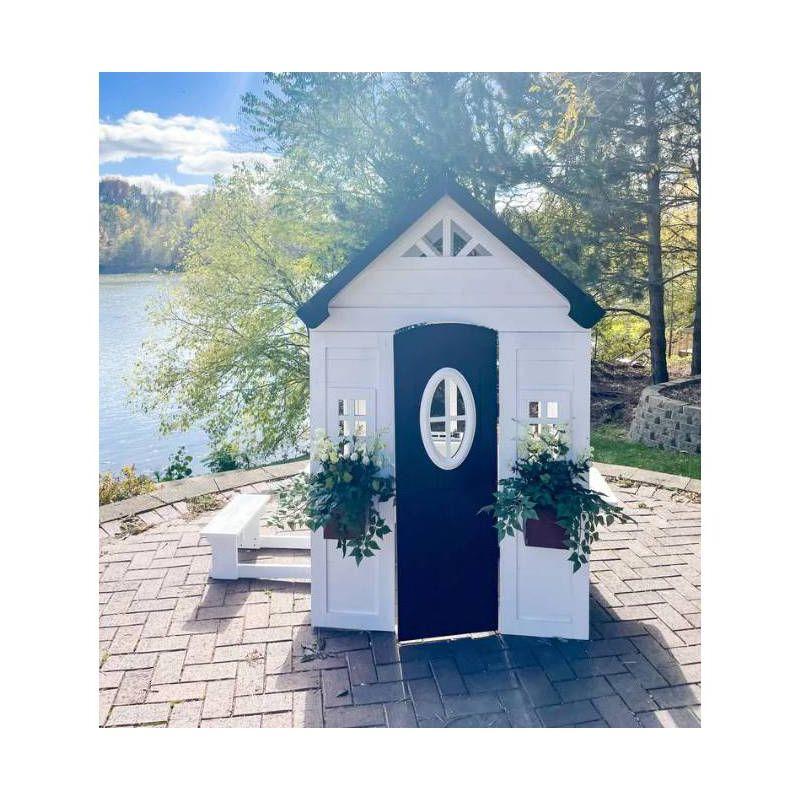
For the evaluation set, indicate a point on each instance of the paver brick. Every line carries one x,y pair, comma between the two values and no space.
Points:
168,667
568,714
615,712
583,688
355,716
130,661
400,714
462,704
201,648
448,678
218,699
490,681
185,714
209,672
140,714
537,686
336,688
133,687
669,718
307,709
362,667
175,692
677,696
377,693
161,643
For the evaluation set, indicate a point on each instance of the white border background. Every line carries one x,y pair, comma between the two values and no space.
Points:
52,54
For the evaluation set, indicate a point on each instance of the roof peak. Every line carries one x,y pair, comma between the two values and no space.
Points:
583,309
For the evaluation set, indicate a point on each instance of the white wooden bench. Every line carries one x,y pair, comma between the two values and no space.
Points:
238,526
598,483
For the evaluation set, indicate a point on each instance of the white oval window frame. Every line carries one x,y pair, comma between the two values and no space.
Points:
445,462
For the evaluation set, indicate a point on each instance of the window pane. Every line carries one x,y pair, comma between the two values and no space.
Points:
345,427
360,408
552,409
345,407
361,427
533,409
534,430
459,402
437,427
437,404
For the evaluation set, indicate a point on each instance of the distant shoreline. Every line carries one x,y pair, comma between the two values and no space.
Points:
113,269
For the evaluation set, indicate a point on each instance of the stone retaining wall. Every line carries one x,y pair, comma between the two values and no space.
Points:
661,421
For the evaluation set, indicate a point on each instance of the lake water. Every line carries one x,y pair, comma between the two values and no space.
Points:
126,436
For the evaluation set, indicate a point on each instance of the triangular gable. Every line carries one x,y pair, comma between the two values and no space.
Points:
583,309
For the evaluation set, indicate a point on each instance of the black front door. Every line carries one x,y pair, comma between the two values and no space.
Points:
447,552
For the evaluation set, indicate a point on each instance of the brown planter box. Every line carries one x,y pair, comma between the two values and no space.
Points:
333,529
545,531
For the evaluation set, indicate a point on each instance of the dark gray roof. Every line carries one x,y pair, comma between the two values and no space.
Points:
582,308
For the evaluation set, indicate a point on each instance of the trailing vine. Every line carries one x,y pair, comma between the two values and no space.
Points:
544,478
350,479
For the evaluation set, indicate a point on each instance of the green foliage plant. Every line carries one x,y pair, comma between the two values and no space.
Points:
126,484
545,478
226,457
350,479
177,468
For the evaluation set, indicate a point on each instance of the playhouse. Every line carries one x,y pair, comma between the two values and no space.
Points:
450,335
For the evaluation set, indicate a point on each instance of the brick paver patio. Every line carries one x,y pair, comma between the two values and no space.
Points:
180,650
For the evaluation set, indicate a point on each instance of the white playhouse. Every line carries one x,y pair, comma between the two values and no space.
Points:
449,306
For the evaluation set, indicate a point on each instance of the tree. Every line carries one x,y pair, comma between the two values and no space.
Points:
140,230
234,357
369,141
622,151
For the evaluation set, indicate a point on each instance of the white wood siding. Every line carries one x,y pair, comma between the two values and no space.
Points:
353,366
395,290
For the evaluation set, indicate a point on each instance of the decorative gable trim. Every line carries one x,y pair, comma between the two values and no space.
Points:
446,238
583,309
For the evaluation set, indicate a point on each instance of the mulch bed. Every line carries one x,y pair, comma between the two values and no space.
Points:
616,389
689,393
615,392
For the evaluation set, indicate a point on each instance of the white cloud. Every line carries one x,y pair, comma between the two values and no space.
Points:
142,133
198,144
221,162
161,183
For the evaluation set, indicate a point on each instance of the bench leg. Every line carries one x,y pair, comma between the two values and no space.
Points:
224,555
251,534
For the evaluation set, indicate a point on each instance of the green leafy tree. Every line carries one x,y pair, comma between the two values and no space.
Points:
369,141
140,230
234,359
626,152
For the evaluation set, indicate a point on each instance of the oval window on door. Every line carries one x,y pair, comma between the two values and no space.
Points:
447,418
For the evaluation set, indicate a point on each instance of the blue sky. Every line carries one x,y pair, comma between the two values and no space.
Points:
174,129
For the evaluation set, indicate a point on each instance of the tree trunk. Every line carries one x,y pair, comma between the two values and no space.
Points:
655,272
696,324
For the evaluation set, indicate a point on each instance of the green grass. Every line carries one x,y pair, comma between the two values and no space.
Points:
611,446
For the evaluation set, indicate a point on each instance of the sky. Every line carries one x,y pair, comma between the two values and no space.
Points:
174,130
